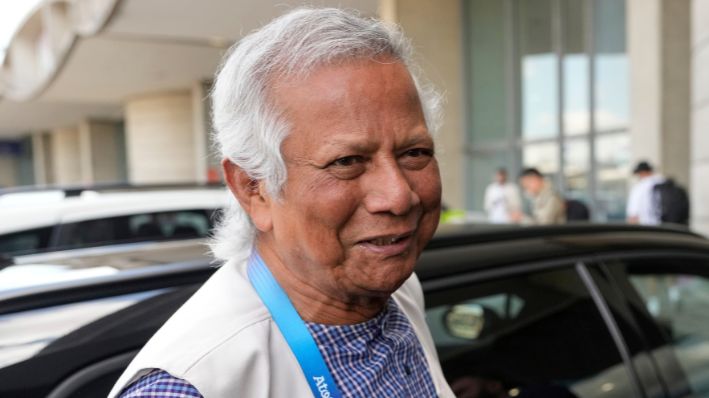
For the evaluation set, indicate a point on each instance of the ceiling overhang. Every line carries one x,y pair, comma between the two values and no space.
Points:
72,60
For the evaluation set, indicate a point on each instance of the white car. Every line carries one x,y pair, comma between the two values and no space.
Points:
45,220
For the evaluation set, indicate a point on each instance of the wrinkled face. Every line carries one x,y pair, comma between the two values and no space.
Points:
363,192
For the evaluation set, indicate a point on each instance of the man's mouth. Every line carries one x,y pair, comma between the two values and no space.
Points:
383,241
388,245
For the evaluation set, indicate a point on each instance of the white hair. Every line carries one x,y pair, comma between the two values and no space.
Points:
248,130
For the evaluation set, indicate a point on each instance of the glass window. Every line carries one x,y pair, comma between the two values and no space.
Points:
544,156
530,60
613,171
536,335
576,168
25,241
577,114
182,224
678,302
611,64
489,83
537,64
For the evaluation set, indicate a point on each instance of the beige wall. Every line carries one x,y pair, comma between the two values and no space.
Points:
700,116
159,138
66,156
435,30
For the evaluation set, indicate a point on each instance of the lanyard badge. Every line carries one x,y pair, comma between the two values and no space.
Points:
293,329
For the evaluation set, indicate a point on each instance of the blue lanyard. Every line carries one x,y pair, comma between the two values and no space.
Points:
293,329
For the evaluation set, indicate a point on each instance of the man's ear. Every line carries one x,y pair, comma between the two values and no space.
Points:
250,193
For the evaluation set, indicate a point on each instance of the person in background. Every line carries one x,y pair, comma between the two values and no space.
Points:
502,199
547,205
640,208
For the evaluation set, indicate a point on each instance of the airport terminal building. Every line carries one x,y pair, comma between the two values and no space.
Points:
117,90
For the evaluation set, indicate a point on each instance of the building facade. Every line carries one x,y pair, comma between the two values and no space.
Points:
580,89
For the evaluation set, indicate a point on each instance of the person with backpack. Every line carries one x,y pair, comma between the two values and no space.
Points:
655,199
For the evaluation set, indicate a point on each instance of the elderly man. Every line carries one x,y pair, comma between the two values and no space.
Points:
326,139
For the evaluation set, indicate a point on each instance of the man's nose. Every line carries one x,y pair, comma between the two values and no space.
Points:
388,190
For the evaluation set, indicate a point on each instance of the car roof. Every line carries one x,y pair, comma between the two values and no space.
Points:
454,250
94,204
464,248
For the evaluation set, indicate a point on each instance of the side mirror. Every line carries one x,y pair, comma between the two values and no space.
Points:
465,321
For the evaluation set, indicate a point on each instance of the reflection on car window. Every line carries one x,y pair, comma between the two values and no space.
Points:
537,335
184,224
25,241
679,303
24,334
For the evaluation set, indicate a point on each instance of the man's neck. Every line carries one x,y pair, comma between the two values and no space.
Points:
317,304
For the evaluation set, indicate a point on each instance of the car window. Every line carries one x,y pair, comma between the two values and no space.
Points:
24,334
535,335
677,298
41,348
25,241
183,224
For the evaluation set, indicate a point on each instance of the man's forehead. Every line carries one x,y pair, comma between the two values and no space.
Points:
364,140
349,74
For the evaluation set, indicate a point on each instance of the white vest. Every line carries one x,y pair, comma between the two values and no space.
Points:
224,342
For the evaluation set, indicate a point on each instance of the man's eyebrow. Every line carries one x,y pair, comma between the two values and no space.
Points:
416,139
359,143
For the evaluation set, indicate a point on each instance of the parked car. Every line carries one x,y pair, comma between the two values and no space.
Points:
570,311
24,271
48,219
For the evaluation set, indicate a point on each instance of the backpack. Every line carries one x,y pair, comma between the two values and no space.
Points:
671,202
576,210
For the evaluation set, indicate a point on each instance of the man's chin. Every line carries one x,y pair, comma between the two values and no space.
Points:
390,280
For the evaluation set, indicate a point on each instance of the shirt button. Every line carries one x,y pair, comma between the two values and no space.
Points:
407,369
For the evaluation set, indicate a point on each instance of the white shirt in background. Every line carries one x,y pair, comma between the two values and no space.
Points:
500,201
641,203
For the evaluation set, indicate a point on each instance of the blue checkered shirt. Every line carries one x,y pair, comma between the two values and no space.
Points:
378,358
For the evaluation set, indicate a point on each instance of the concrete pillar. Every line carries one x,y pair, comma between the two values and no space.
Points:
658,49
103,146
160,138
66,156
387,11
85,154
40,158
700,116
200,129
435,27
7,171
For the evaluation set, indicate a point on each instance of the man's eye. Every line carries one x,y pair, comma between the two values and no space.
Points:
417,152
416,158
347,161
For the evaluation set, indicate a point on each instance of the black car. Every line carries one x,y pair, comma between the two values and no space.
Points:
574,311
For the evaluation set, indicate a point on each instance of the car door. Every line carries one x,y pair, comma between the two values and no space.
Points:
529,330
668,293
